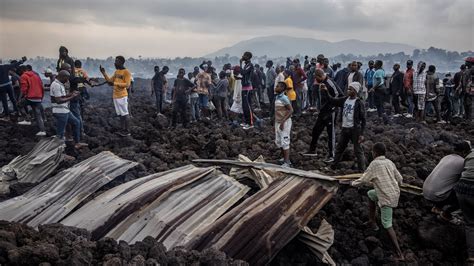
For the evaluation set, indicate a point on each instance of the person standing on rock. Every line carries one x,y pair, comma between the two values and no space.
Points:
384,176
379,90
419,91
369,82
158,83
60,107
408,86
283,112
353,124
181,89
32,93
204,82
326,117
64,59
270,84
120,82
396,88
465,194
246,70
467,83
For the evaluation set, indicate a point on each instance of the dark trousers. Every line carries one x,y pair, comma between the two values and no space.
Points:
379,98
467,106
325,120
466,203
435,104
371,98
38,112
396,103
317,97
247,107
271,99
350,134
451,201
159,99
179,106
447,106
4,91
221,106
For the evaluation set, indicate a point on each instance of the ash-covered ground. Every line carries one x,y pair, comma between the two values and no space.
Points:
415,149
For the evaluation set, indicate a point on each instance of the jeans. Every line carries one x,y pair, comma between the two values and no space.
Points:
159,99
4,91
195,108
38,112
435,105
75,108
352,135
62,119
247,107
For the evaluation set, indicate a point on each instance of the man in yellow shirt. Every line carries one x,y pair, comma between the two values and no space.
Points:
120,81
290,90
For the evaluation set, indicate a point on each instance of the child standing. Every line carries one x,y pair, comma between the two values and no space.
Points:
283,111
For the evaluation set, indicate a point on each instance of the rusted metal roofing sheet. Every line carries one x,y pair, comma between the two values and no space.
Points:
180,216
259,227
53,199
107,210
261,177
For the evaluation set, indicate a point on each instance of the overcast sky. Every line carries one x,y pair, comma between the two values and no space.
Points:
170,28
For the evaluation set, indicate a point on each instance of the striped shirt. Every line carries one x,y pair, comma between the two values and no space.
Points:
383,174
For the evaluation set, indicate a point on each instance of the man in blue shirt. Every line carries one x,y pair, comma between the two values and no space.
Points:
368,77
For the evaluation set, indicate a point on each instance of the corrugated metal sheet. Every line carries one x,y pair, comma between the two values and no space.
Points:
261,177
34,167
54,198
179,217
259,227
106,211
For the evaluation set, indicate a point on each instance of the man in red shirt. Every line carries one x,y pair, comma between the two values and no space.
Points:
408,86
32,93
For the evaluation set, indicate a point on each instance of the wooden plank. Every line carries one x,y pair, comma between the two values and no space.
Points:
258,228
268,166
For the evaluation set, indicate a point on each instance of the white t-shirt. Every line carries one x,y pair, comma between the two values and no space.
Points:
348,113
58,90
350,79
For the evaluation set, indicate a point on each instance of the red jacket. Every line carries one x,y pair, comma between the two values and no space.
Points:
31,86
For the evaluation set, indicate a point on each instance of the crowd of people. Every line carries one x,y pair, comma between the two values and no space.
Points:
237,93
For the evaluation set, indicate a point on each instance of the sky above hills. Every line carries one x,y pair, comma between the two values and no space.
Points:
171,28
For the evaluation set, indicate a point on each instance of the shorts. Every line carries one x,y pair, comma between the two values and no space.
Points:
282,137
121,106
203,100
420,101
386,213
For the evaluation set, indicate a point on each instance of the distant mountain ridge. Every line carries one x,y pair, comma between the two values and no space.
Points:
283,46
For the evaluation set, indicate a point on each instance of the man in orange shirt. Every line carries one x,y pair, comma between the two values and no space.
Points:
120,81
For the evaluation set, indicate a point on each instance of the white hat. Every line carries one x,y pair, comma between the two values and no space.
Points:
356,86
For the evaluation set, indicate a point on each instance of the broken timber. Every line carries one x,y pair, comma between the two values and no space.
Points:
269,167
53,199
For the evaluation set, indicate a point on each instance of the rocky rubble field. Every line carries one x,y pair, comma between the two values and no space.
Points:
415,148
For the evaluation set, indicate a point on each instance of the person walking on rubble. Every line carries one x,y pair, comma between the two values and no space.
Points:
384,176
